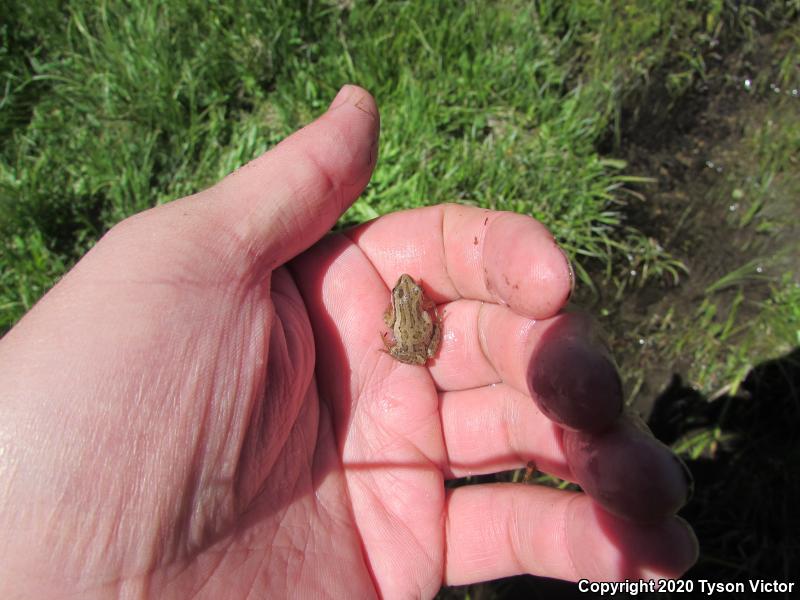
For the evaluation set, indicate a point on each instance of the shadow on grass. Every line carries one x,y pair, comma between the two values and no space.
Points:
747,472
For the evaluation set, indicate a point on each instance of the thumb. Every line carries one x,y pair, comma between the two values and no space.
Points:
285,200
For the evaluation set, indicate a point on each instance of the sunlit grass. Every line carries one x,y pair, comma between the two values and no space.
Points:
111,107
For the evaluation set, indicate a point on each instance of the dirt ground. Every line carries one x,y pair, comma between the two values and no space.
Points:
700,155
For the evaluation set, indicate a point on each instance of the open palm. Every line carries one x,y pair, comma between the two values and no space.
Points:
189,414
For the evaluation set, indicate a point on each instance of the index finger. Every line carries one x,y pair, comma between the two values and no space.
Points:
467,252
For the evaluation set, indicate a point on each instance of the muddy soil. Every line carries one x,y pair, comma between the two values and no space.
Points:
702,160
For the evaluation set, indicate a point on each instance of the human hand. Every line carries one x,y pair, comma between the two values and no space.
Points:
201,408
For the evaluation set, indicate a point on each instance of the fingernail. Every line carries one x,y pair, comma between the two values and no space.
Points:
693,544
687,474
571,273
638,422
373,149
342,96
635,419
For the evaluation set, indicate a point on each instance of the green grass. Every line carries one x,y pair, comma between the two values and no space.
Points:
111,108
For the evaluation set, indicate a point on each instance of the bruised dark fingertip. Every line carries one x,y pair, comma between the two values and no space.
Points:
572,379
627,471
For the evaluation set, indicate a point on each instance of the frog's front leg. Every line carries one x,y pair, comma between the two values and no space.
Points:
429,304
387,347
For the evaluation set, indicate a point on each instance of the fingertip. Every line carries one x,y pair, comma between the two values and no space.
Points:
537,284
498,530
357,97
355,129
658,550
282,202
570,274
572,377
628,472
687,545
341,96
680,537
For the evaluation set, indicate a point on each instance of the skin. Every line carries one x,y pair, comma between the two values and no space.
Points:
200,408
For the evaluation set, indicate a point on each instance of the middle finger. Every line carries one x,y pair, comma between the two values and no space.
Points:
557,361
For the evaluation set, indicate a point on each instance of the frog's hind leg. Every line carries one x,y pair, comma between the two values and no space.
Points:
386,345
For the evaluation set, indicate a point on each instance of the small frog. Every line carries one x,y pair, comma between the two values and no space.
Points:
416,335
